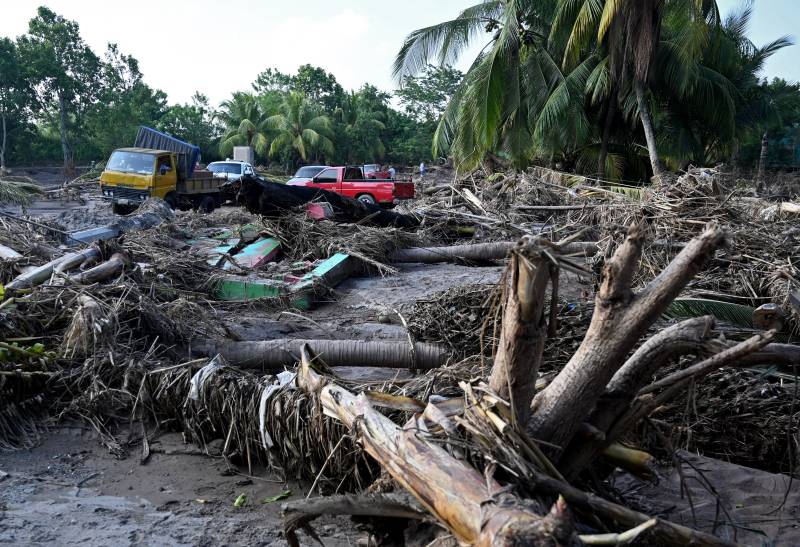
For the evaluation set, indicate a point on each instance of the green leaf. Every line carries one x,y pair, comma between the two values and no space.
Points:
282,496
240,501
698,307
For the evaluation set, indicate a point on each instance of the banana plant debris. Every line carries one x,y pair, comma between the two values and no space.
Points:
483,365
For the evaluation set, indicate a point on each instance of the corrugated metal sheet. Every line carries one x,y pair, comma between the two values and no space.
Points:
188,154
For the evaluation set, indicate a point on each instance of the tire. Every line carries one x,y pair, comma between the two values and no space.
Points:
207,204
366,198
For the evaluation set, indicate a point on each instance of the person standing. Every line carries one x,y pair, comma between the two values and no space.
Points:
392,172
422,168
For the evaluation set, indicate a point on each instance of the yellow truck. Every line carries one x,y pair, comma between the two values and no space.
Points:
160,165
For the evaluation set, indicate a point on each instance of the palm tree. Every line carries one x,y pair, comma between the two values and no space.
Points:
362,125
514,101
244,120
299,127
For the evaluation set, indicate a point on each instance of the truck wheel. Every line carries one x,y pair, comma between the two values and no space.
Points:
171,200
207,204
366,198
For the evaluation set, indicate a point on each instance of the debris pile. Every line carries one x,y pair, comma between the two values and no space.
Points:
522,401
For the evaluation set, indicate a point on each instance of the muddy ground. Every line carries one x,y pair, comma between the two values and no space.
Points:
70,490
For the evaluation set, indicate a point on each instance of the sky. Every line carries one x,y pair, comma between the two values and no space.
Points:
220,47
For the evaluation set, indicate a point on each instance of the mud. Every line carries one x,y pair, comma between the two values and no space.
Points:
70,491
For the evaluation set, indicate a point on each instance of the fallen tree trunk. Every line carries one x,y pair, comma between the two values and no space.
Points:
7,253
276,354
478,252
471,506
106,270
271,199
42,273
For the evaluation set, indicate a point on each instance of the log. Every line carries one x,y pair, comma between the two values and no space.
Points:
472,507
112,267
298,514
620,319
478,252
524,331
42,273
271,199
553,207
276,354
7,253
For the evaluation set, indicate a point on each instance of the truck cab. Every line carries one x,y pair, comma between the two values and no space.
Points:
134,174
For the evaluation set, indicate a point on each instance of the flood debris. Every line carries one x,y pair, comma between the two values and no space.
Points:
518,398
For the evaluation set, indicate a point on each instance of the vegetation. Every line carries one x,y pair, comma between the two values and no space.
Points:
593,84
617,89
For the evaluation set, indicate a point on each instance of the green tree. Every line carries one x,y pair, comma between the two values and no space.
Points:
318,86
514,102
124,102
299,127
425,97
195,123
272,79
361,118
13,95
62,70
245,124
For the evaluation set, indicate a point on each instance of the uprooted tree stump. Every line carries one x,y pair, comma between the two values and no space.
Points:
549,439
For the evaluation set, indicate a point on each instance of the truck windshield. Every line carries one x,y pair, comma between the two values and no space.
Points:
232,168
131,162
371,168
308,171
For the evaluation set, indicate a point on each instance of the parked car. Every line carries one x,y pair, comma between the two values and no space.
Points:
233,170
373,171
351,182
305,174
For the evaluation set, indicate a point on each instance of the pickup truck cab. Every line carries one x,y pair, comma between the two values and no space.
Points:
351,182
373,171
233,170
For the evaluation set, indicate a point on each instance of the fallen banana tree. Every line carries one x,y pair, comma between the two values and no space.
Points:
475,508
277,354
478,252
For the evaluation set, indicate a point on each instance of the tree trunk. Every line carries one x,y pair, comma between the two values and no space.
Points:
3,143
761,183
647,125
475,252
609,120
277,354
620,319
472,507
106,270
69,164
524,331
42,273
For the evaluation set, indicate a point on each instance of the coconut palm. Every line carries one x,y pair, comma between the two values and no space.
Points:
244,120
633,36
299,127
514,101
361,117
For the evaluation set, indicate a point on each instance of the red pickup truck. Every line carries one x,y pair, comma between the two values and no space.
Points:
350,182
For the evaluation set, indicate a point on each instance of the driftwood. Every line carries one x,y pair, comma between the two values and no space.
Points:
478,252
276,354
42,273
298,514
106,270
7,253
